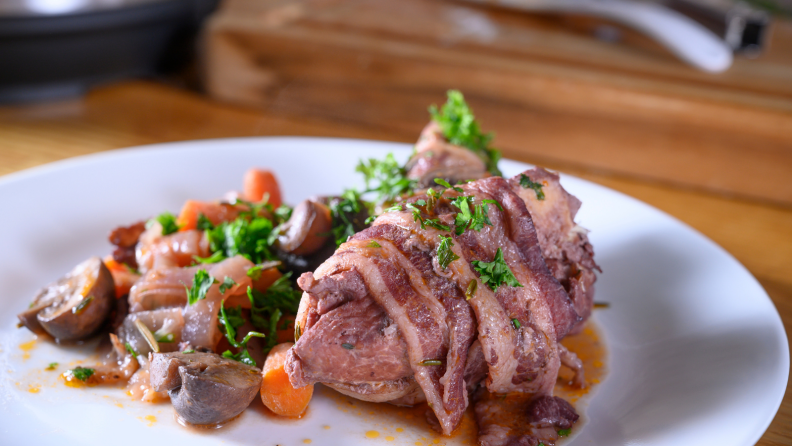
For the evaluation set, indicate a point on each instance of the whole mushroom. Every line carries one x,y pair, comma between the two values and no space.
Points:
308,229
205,388
75,306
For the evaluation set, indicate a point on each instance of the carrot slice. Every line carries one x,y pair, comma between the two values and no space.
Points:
277,392
215,212
258,182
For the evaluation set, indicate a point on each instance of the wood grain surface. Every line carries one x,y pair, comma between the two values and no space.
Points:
549,89
758,234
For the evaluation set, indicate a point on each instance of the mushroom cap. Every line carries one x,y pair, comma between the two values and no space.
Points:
307,230
74,306
205,388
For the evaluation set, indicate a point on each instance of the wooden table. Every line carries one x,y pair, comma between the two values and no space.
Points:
758,234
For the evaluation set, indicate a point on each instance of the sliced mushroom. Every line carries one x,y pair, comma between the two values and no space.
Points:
76,305
307,230
205,388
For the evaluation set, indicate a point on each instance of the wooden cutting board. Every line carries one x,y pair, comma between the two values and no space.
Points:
552,92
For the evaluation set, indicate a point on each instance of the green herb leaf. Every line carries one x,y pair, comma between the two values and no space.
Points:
386,178
202,281
516,323
131,350
168,223
83,304
227,284
81,373
297,331
268,307
254,272
231,320
347,346
430,362
248,235
343,211
460,128
373,244
214,258
525,182
470,293
189,350
165,338
52,366
204,224
445,255
496,272
564,432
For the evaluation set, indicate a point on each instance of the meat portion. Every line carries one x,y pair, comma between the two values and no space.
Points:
125,238
385,290
565,245
436,158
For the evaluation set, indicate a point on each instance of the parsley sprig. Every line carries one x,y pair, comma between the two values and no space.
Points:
471,215
167,221
445,255
267,308
231,320
343,211
460,128
496,272
202,281
386,178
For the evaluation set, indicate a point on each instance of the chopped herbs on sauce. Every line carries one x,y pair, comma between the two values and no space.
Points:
525,182
81,373
460,128
471,216
445,255
52,366
347,346
516,323
232,320
202,281
496,272
564,432
268,307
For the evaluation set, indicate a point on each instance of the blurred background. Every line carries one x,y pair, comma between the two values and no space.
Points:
684,104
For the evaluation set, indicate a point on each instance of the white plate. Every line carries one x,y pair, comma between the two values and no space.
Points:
698,353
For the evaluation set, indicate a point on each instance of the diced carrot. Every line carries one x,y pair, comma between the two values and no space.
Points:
259,182
215,212
277,392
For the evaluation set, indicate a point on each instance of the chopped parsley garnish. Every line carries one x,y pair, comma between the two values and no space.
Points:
249,235
189,350
460,128
516,323
204,224
418,217
564,432
214,258
202,281
83,304
81,373
52,366
373,244
227,284
231,320
601,305
386,178
447,185
167,221
268,307
525,182
165,338
445,255
471,216
297,331
131,350
343,211
429,362
496,272
255,272
347,346
283,212
470,293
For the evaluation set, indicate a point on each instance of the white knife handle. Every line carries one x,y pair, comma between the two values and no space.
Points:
686,38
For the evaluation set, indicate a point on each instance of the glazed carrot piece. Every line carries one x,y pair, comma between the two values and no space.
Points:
277,392
258,182
215,212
